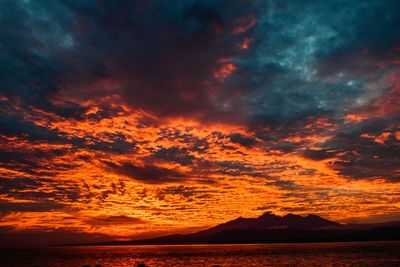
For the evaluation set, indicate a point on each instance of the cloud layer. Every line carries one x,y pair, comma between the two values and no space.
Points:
170,114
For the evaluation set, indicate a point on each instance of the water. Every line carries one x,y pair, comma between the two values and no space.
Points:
321,254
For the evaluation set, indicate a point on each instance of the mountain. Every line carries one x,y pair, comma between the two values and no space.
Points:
270,228
271,221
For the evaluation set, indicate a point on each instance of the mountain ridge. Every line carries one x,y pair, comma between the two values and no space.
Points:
270,220
270,228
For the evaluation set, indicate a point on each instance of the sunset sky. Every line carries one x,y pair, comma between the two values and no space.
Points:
129,119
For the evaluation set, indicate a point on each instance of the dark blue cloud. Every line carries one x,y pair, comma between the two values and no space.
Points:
154,50
285,71
34,35
169,50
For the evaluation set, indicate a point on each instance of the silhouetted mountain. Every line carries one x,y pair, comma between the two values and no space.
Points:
269,220
270,228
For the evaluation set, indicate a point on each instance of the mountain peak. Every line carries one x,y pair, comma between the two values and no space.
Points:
267,215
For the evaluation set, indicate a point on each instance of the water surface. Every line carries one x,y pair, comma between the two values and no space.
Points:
318,254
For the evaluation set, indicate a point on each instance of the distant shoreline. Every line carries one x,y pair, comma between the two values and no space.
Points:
225,244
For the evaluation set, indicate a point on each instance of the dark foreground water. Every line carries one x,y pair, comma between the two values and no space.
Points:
321,254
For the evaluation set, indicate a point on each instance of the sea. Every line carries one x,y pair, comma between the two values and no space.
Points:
315,254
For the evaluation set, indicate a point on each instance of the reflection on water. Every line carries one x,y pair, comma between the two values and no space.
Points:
326,254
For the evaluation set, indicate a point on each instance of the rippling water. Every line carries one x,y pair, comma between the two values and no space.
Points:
322,254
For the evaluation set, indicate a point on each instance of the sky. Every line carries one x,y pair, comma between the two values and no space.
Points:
128,119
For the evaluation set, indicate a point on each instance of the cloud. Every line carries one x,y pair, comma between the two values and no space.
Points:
15,126
114,221
147,173
147,52
357,152
7,207
163,52
235,168
285,185
242,140
175,154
